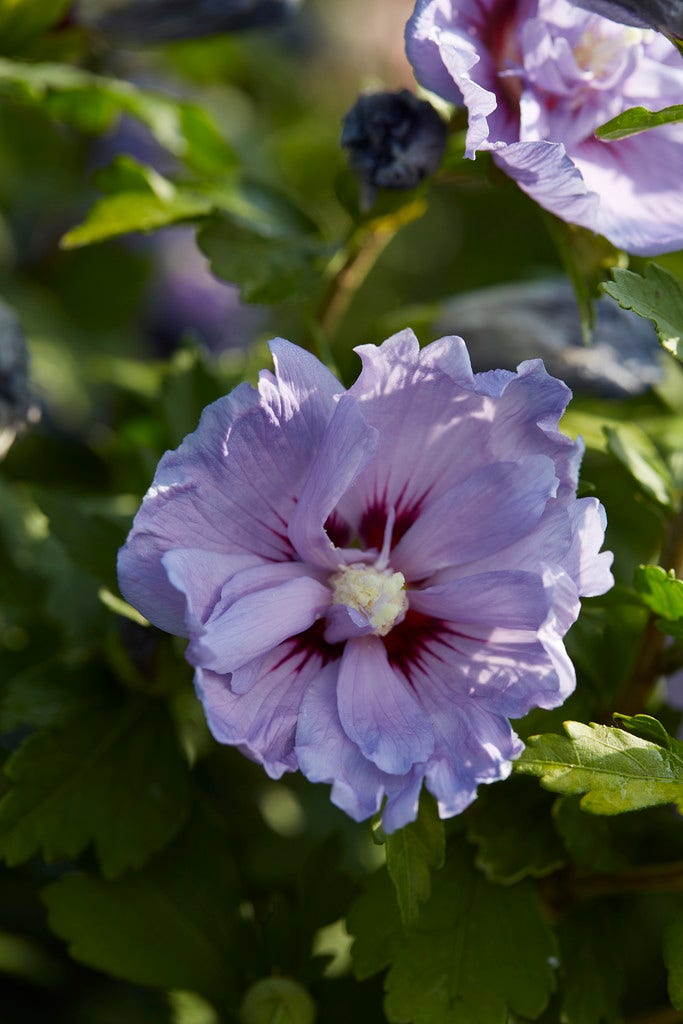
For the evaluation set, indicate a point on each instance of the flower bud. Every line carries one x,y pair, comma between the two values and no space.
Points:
394,141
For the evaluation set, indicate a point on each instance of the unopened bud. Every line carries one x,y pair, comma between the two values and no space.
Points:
394,140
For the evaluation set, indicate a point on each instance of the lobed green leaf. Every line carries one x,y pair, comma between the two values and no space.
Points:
113,776
477,951
172,924
656,296
615,771
412,853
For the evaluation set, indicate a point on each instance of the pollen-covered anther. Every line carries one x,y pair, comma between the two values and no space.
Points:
376,596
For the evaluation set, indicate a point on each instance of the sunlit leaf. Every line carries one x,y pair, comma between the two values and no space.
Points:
616,771
657,296
638,119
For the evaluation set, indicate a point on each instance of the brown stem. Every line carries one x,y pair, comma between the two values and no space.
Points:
665,1015
649,878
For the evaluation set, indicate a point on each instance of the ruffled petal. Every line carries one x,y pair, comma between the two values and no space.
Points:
346,448
639,183
231,486
326,754
262,719
492,602
260,617
546,173
492,507
418,401
378,711
201,576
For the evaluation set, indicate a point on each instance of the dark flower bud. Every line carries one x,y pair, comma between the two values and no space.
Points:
664,15
160,21
15,401
394,141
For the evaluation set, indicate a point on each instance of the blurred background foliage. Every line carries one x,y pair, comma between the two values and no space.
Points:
185,883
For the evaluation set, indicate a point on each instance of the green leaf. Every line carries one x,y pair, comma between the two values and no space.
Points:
277,1001
267,269
478,950
588,838
616,772
673,958
646,727
90,540
125,212
512,827
412,852
638,119
114,777
374,921
656,296
48,693
21,20
172,924
634,449
94,103
126,174
592,975
660,591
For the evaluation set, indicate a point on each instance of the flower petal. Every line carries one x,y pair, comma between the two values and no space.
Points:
419,401
493,507
200,576
493,601
259,620
326,754
545,172
231,485
262,720
346,448
378,711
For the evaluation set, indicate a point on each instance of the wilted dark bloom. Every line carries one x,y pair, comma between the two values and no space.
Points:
505,324
374,581
538,77
394,140
158,21
15,402
665,15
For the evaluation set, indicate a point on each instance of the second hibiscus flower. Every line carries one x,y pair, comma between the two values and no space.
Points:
538,77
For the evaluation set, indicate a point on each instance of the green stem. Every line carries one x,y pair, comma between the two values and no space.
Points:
650,660
349,268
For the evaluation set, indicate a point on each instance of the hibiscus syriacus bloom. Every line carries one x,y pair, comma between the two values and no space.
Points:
538,77
374,580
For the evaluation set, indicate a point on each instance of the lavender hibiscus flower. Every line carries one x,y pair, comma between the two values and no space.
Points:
538,77
374,581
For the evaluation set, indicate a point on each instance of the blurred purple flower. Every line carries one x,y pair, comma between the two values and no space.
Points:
374,581
538,77
160,21
665,15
